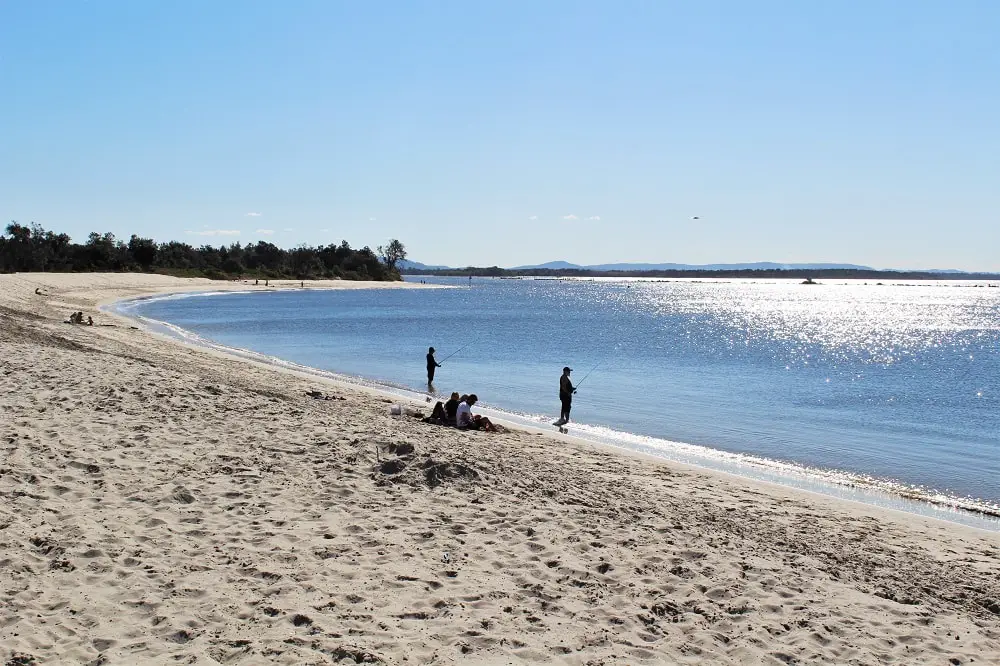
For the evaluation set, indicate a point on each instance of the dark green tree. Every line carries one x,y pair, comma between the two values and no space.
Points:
143,251
32,248
392,254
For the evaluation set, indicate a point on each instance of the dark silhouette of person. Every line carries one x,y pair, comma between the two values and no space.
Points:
432,365
451,407
566,392
445,411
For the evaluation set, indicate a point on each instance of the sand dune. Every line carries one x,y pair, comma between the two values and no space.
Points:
163,504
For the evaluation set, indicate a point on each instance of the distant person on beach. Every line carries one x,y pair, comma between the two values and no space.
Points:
432,365
566,392
465,419
90,321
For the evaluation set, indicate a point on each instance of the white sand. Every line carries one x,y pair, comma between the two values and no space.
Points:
162,504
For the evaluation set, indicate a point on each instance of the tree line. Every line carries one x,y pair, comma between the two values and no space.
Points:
32,248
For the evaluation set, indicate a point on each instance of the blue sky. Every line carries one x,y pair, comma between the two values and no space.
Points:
513,132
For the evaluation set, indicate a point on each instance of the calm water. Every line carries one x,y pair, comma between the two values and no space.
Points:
896,386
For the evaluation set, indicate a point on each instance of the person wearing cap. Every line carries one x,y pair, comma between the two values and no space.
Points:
566,392
431,365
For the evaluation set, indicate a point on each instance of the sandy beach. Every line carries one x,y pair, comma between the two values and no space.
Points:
163,504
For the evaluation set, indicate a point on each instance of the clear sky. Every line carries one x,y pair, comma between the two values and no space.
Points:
513,132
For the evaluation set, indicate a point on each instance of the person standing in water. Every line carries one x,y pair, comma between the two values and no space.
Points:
566,392
432,365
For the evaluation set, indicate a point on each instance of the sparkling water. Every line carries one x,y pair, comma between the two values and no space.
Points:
891,386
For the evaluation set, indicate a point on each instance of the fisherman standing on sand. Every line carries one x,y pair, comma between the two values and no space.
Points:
566,392
432,365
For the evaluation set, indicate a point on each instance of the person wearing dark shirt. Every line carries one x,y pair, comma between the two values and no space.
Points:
445,411
432,365
451,407
566,392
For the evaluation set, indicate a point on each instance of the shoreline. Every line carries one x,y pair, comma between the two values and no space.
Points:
165,502
840,485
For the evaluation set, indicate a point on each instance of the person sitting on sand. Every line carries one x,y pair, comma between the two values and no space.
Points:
451,407
463,398
90,321
76,318
437,414
444,412
465,419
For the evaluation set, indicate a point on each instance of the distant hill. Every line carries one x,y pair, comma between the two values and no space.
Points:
757,266
407,265
552,265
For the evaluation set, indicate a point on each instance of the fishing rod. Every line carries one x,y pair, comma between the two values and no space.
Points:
452,354
589,373
465,346
597,365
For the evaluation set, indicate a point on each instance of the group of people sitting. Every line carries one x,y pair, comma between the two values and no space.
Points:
77,318
457,412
